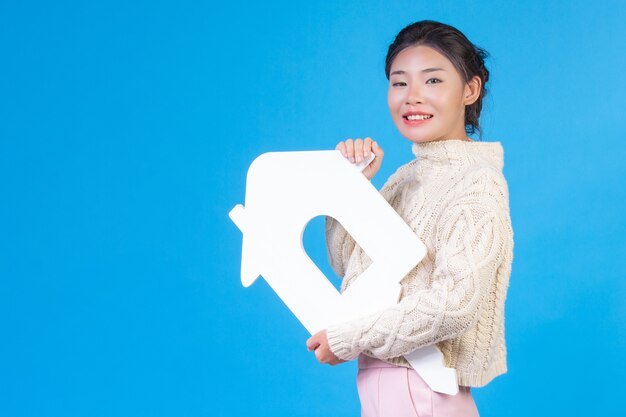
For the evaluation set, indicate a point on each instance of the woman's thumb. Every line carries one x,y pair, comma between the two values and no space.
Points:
378,154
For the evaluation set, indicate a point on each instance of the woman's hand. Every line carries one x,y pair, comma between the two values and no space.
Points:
319,343
360,149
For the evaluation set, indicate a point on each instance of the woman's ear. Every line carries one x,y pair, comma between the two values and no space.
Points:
472,90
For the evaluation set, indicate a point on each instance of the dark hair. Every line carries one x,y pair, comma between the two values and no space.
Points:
467,58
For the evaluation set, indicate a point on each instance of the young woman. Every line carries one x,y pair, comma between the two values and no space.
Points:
455,198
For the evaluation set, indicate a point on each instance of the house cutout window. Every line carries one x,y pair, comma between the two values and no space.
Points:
314,242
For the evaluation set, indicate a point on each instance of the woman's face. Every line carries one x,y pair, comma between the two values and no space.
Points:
427,96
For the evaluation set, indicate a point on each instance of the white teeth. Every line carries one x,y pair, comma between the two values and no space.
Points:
419,117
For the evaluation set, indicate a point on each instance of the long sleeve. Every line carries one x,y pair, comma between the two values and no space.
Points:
339,245
468,251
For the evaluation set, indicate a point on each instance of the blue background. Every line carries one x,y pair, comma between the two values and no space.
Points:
126,130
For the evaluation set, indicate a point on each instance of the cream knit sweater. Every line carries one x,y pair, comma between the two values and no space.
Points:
455,198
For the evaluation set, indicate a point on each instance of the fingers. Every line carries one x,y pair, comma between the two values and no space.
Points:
322,354
356,150
367,148
378,156
377,150
319,343
341,146
350,149
312,346
313,342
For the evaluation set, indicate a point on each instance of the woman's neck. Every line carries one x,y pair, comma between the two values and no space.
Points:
456,152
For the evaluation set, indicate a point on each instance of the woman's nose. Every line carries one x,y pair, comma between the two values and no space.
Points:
414,96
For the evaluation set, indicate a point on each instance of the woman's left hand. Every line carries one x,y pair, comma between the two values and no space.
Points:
319,343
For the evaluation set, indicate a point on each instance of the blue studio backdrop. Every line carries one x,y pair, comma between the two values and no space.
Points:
126,131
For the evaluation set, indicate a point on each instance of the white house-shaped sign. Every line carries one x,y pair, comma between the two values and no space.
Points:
284,191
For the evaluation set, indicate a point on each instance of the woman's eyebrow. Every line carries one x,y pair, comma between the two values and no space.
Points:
400,72
433,69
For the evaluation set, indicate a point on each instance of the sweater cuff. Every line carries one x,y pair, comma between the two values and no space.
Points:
339,343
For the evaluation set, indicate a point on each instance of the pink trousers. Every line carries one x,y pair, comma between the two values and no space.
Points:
394,391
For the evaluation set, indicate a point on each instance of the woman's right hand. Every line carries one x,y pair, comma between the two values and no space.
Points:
360,149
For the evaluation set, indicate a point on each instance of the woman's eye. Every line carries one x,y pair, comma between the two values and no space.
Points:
433,81
399,84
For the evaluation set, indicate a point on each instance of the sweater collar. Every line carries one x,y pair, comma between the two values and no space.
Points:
459,152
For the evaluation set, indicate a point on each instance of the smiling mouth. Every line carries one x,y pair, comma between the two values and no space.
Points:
413,117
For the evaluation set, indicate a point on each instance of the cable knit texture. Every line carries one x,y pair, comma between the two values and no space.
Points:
455,198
